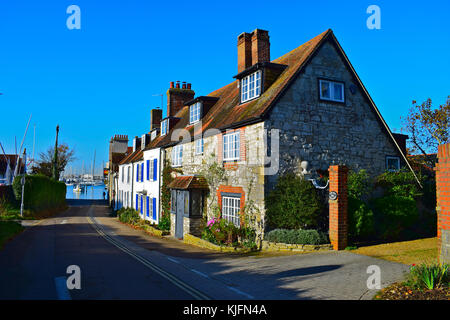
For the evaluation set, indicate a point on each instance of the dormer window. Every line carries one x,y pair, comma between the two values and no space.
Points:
251,86
164,127
195,112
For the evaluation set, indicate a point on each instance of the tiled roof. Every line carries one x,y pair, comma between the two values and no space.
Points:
12,162
228,113
189,182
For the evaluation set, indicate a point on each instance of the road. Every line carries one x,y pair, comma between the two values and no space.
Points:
118,262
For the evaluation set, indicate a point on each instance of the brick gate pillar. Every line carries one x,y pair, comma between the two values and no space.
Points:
443,202
338,207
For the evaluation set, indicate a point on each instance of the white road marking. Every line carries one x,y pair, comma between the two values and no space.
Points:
63,222
241,292
173,260
200,273
61,289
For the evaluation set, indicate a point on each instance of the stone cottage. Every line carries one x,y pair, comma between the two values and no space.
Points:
299,113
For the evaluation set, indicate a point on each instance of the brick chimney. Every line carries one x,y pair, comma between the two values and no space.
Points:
244,51
253,48
177,97
260,46
155,118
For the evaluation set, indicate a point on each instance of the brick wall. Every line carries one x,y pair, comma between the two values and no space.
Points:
443,202
338,207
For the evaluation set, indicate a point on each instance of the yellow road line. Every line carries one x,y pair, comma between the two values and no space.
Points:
180,284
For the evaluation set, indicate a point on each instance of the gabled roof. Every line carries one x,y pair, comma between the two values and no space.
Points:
12,158
227,113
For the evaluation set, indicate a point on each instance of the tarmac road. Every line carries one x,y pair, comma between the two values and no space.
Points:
118,262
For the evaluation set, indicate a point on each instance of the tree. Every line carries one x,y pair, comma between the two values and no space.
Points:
45,164
427,128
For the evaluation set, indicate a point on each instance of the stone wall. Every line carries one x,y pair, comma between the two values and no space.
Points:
326,133
192,225
248,173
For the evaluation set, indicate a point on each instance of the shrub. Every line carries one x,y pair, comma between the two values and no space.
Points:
40,193
393,215
296,236
401,183
293,204
164,223
360,219
428,276
220,231
358,184
128,215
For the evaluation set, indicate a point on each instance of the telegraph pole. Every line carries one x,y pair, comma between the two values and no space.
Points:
55,173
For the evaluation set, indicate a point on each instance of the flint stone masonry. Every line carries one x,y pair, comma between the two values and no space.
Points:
320,132
326,133
275,246
248,173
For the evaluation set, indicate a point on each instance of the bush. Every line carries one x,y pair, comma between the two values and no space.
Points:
40,193
128,215
393,215
360,219
428,276
293,204
358,184
401,183
296,236
220,231
164,223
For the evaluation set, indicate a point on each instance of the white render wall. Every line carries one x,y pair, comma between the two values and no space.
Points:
152,187
124,195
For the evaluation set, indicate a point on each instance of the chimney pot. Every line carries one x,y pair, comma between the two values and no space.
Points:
178,85
189,86
184,85
172,84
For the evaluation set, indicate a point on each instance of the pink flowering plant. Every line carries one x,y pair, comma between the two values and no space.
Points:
220,231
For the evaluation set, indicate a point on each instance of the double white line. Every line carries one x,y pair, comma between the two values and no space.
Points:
180,284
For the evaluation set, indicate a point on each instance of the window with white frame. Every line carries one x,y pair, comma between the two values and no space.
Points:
251,86
177,155
123,172
231,208
150,170
392,163
331,90
194,112
164,127
199,146
128,174
150,207
231,146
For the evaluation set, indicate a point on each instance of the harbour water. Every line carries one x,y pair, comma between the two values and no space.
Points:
87,192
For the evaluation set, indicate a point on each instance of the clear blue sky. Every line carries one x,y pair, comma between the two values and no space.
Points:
100,80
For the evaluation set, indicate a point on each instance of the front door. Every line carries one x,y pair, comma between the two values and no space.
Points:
179,215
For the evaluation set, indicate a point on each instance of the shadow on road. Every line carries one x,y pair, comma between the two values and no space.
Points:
86,202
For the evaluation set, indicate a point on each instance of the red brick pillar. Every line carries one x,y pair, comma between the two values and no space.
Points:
443,202
338,207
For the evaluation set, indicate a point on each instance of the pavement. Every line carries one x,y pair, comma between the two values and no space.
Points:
119,262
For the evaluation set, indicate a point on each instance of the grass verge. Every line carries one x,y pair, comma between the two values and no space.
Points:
8,229
406,252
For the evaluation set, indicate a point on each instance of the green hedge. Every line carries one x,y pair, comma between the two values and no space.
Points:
41,192
293,204
296,236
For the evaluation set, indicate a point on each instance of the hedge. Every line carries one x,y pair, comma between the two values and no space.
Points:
296,236
41,192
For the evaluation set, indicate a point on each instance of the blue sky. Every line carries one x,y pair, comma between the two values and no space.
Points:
100,80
